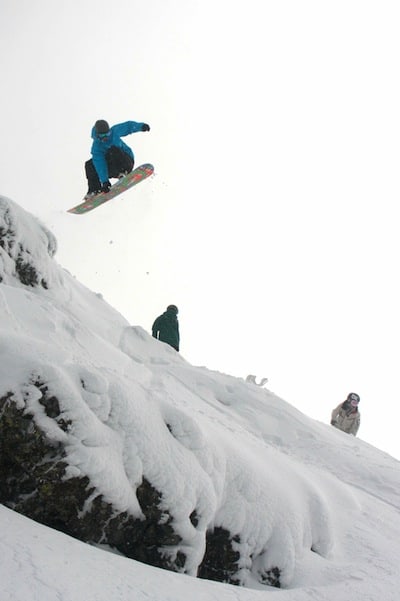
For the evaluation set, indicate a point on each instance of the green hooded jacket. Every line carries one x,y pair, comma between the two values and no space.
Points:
166,328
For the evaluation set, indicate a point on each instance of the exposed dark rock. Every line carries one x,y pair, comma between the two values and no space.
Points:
7,233
272,577
33,481
220,560
194,518
146,540
27,461
26,271
51,405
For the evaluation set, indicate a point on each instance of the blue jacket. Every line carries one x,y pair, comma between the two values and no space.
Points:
101,145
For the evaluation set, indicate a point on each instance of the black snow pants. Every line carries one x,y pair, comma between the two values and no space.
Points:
118,162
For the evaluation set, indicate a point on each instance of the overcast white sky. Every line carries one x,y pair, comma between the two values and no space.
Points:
272,221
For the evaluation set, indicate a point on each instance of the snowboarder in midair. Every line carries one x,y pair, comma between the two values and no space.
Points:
346,416
166,327
111,157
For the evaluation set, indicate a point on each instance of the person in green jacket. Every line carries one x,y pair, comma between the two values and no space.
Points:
166,327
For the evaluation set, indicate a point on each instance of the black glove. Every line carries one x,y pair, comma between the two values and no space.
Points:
105,187
145,127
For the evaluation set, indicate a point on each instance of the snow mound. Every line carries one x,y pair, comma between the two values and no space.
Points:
225,455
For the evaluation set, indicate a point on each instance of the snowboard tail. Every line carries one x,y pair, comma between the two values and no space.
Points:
133,178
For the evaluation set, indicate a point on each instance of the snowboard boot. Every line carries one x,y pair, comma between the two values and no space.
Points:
90,195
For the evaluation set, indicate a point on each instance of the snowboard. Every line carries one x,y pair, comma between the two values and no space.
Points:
123,184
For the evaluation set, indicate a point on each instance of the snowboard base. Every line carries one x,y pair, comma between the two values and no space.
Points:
133,178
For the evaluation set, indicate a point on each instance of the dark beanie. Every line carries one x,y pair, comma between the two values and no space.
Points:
101,127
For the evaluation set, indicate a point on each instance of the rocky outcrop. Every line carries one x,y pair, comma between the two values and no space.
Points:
18,260
34,481
220,559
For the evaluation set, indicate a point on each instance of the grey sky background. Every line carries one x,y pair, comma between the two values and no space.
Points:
272,220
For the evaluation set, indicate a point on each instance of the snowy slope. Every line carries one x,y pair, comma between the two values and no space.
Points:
322,505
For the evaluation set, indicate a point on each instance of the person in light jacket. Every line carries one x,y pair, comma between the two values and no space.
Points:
166,327
346,416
